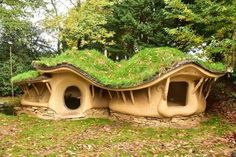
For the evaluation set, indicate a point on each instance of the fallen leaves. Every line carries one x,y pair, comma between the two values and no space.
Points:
93,137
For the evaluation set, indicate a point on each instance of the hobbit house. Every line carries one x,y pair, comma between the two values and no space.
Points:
156,82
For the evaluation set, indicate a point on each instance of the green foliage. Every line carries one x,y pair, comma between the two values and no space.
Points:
19,65
138,23
18,33
14,14
203,24
84,25
120,27
123,26
142,66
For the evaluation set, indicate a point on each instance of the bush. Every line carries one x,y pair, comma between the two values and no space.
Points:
5,76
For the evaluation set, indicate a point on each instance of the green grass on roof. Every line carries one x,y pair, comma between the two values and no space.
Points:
219,67
25,76
142,66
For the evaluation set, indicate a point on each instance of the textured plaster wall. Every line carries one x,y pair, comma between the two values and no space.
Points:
149,101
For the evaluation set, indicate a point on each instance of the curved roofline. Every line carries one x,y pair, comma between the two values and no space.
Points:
150,82
41,78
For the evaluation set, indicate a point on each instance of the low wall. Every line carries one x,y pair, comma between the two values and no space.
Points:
177,122
182,122
47,113
41,112
97,113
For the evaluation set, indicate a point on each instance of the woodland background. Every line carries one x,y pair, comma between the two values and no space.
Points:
116,27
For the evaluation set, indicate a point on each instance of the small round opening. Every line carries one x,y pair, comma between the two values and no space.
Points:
72,97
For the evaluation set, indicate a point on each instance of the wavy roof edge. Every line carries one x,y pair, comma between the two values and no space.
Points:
157,56
94,81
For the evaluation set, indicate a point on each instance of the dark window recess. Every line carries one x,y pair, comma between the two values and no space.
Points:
177,94
72,98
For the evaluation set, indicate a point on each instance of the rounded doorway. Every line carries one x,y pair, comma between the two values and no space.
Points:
72,97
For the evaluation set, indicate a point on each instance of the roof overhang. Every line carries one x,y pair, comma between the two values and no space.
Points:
41,78
146,83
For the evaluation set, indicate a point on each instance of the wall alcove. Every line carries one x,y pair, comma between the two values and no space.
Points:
177,94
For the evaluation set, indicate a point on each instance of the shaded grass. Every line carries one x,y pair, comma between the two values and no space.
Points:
9,104
142,66
27,136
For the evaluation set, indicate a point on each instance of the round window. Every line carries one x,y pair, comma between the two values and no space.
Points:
72,98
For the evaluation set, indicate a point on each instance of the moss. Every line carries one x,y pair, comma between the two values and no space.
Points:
142,66
25,76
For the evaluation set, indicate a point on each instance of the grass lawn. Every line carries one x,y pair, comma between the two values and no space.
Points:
28,136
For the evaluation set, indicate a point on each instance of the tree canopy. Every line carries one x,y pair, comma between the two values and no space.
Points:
203,24
121,27
127,25
138,23
84,25
18,33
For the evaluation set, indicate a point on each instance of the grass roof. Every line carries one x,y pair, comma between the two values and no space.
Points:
142,66
29,75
